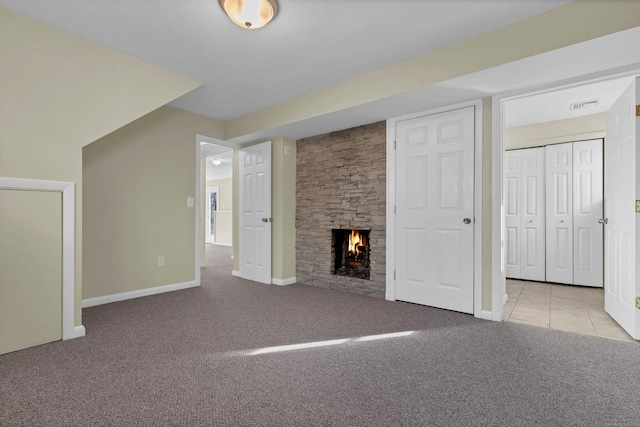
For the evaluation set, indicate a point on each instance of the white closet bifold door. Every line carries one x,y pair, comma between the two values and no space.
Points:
587,211
533,215
559,212
513,206
524,214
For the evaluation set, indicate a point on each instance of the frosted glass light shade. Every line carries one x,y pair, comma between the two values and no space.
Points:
250,14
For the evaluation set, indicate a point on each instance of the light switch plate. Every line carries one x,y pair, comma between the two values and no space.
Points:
190,202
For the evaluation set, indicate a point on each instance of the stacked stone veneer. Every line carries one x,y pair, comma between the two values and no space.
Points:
340,183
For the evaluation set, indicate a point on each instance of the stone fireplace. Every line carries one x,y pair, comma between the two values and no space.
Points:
341,191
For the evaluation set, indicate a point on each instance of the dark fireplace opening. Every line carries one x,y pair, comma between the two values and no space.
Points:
351,253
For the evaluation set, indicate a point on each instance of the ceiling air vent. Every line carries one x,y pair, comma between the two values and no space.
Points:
577,106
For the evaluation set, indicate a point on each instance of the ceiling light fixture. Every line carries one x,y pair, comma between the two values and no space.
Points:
250,14
216,162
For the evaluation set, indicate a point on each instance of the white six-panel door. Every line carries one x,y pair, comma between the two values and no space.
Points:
533,215
513,208
434,220
588,256
255,212
622,185
525,214
559,213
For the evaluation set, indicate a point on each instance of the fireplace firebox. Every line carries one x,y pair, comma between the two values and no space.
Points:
351,253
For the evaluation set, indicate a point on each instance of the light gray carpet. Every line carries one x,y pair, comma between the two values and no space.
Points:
184,359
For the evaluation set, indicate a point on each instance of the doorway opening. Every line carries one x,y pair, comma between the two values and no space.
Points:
216,201
550,119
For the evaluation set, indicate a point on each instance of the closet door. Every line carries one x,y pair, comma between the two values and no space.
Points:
587,211
532,225
559,213
513,206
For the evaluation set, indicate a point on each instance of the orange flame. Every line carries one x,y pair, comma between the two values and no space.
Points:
354,242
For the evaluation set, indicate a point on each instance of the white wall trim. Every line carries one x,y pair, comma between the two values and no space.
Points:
198,213
235,273
91,302
69,330
497,220
497,210
390,285
283,282
486,315
221,244
390,291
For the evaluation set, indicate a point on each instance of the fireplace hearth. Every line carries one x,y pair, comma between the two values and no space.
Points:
351,253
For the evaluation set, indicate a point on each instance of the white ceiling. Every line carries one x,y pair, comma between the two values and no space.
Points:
224,154
313,44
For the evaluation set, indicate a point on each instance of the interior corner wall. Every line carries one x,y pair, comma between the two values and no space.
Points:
61,92
592,126
136,184
283,209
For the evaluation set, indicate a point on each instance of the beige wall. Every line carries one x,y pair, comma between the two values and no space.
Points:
283,209
224,217
136,183
582,128
61,92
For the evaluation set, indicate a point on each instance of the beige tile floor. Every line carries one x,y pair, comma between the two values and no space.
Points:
570,308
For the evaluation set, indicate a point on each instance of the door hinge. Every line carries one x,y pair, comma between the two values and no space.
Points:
637,206
638,302
637,110
394,275
394,210
394,145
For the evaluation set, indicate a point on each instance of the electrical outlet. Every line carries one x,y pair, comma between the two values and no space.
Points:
190,202
287,151
160,261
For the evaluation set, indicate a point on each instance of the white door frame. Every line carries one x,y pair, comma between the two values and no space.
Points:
67,190
390,293
498,296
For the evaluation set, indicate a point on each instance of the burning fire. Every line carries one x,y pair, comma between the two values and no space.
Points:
354,242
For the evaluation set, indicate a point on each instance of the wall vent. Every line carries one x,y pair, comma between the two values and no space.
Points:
576,106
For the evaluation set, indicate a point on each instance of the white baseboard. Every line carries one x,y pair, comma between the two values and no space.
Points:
222,244
235,273
76,332
487,315
90,302
283,282
505,299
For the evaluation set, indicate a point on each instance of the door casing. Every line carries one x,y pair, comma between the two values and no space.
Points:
390,293
498,288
